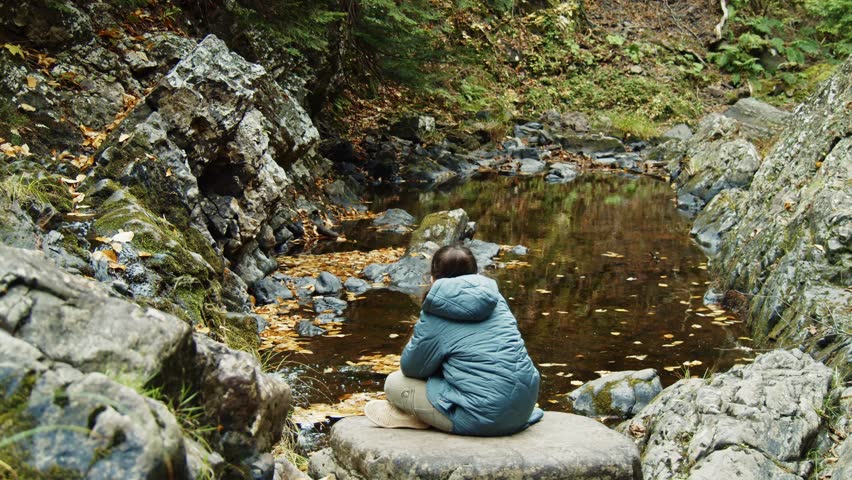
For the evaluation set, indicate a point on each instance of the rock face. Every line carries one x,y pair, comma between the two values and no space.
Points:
785,242
441,228
619,394
76,355
560,446
214,113
754,418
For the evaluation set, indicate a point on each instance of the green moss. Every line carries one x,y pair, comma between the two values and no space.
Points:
602,400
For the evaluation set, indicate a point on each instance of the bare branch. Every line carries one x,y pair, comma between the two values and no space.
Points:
721,23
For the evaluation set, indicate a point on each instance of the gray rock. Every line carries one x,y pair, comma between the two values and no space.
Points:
519,250
561,446
109,430
306,328
284,470
768,407
75,321
483,251
46,23
328,284
413,128
739,463
250,406
394,220
529,166
588,144
329,305
269,290
356,285
758,119
719,166
215,112
680,132
619,394
562,173
442,228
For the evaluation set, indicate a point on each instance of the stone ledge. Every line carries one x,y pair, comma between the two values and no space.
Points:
561,446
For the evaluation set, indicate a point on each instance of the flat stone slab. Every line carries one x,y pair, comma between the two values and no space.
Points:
560,446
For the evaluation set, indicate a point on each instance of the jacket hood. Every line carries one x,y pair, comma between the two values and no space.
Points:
469,298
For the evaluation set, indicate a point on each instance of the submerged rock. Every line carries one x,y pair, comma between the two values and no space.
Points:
769,409
560,446
356,285
619,394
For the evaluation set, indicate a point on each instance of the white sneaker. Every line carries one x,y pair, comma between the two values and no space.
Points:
385,415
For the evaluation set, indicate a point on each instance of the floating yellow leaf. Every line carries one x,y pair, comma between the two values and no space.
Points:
668,336
615,334
637,357
663,285
547,365
621,310
576,383
695,325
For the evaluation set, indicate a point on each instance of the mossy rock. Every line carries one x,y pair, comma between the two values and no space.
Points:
182,276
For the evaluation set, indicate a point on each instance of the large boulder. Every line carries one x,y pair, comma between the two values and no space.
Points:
74,320
441,228
762,415
73,332
560,446
81,424
217,146
249,406
619,394
722,153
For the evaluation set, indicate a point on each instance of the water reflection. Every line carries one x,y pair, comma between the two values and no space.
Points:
614,282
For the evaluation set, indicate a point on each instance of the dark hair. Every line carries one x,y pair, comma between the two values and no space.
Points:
453,261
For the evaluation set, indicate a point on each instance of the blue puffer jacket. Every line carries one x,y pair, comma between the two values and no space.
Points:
468,347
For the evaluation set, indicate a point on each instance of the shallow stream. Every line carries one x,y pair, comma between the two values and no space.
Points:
613,283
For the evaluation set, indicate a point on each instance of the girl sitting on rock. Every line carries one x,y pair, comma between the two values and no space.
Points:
465,370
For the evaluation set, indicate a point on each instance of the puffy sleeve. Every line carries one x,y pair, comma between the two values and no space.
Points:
424,353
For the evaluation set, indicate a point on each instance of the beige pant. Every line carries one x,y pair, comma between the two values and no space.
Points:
409,395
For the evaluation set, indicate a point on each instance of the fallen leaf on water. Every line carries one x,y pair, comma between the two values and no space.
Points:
576,383
668,336
544,314
693,363
671,369
552,401
393,335
630,279
603,372
547,365
541,290
637,357
621,310
600,310
695,325
663,285
637,342
615,334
